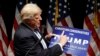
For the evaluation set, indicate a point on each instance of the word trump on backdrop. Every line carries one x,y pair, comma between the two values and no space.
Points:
78,41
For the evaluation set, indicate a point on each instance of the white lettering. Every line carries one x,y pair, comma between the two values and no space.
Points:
85,42
77,41
70,40
73,30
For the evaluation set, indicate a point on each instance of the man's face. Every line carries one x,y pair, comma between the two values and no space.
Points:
36,20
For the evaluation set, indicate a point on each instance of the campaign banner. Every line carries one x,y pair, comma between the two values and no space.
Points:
78,40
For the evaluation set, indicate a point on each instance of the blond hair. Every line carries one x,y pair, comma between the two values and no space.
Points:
29,10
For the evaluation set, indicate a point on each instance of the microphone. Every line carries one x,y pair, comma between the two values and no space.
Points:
32,47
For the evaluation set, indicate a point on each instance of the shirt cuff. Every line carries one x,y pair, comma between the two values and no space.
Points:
61,46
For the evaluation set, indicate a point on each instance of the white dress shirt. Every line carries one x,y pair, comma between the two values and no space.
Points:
42,41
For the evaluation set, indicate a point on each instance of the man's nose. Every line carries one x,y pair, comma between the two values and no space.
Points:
40,18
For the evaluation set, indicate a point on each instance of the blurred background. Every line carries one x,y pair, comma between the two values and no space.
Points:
82,14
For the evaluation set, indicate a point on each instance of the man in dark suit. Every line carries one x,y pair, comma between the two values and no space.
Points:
28,41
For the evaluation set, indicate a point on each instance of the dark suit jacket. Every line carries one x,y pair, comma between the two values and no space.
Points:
25,40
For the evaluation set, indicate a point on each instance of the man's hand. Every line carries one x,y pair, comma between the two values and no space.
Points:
49,35
63,39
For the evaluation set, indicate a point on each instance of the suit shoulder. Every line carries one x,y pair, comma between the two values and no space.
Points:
23,32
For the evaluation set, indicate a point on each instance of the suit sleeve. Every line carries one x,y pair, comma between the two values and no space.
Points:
39,51
54,51
23,45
